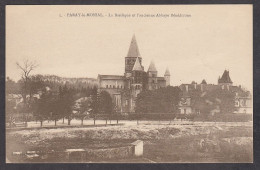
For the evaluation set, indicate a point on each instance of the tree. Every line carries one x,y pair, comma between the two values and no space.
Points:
35,84
26,68
56,109
67,103
84,109
163,100
9,110
207,101
11,87
225,99
105,104
41,108
95,100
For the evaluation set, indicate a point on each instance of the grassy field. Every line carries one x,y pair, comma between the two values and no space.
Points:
164,142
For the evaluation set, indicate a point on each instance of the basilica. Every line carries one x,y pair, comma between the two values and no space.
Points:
125,88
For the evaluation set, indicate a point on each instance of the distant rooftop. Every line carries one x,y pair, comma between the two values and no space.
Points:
225,78
111,77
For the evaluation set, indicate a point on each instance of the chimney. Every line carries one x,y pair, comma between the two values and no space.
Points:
187,88
195,86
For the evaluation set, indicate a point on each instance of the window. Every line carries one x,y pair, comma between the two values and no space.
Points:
114,86
110,86
106,86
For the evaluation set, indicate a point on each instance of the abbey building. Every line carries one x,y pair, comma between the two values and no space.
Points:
125,88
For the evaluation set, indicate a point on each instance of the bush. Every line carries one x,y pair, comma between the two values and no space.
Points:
151,116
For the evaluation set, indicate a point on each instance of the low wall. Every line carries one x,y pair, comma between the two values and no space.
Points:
108,153
76,155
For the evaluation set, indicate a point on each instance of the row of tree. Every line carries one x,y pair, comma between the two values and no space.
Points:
218,99
166,100
163,100
66,103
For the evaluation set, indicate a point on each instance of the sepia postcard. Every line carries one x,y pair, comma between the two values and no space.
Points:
129,84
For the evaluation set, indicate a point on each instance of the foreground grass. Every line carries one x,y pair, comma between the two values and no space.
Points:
162,143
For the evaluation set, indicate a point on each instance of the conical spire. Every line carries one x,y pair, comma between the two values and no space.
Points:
137,66
225,78
133,49
167,72
152,67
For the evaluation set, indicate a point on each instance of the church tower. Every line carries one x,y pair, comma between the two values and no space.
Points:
152,77
137,82
167,77
132,55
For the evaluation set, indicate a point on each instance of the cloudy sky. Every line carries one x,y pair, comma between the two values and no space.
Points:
214,38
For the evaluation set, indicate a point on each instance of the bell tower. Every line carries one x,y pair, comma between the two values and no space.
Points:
132,55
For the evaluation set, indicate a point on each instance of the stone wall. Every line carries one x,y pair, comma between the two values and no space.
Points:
82,155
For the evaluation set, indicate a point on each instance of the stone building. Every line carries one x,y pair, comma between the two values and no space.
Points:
243,98
125,88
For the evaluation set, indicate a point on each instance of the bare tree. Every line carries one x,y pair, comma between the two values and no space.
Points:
26,67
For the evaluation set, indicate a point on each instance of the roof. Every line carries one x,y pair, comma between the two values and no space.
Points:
137,65
160,79
133,49
225,78
152,67
210,87
203,82
111,77
167,72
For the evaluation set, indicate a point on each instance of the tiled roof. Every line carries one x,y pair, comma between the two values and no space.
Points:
209,87
111,77
133,49
137,66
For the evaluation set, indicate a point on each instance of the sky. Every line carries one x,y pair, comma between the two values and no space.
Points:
213,38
